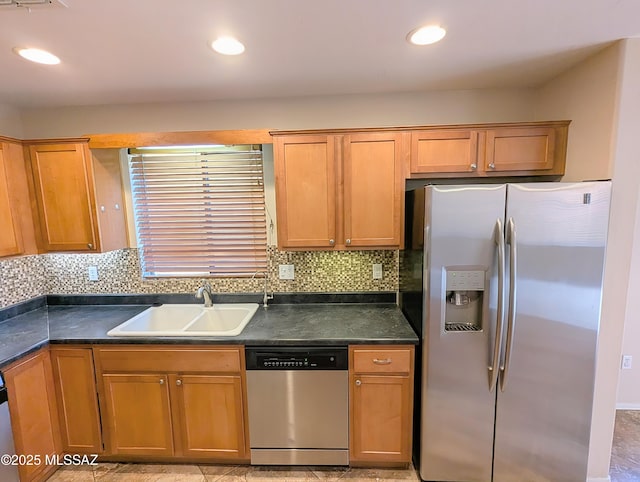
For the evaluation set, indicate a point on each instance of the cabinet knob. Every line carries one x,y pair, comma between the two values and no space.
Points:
162,381
348,242
90,246
178,382
358,383
332,242
473,167
492,166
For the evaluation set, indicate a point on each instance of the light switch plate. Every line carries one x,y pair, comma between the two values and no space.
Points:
377,271
627,361
93,273
286,271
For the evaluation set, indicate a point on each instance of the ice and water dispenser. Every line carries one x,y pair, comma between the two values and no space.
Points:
465,287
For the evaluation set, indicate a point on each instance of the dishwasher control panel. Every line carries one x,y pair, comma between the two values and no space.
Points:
298,358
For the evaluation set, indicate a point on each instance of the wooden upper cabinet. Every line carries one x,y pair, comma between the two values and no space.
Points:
65,197
439,151
69,214
16,218
340,192
305,169
10,236
373,180
520,149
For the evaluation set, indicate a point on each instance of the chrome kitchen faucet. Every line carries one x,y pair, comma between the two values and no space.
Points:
205,291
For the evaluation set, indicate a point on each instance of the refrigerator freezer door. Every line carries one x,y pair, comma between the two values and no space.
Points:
543,415
458,404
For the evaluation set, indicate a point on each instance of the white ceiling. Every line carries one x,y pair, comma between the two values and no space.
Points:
129,51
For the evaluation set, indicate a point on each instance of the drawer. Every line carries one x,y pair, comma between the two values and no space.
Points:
170,360
383,360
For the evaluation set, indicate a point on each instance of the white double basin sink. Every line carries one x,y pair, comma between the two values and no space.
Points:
224,319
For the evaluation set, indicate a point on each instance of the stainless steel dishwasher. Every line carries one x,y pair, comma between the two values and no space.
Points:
298,401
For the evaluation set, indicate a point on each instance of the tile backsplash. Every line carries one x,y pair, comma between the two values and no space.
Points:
21,279
119,273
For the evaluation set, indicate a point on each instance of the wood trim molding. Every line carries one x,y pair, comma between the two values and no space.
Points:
146,139
10,139
558,123
55,140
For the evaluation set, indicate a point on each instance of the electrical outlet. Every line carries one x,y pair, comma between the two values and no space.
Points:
627,360
286,271
93,273
377,271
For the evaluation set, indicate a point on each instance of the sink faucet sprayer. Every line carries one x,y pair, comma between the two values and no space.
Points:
205,291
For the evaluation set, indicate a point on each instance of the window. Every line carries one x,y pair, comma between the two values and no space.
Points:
199,211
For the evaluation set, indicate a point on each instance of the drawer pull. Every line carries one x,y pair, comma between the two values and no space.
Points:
358,383
178,382
162,381
385,361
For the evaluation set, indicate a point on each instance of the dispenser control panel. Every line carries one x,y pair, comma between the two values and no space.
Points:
463,280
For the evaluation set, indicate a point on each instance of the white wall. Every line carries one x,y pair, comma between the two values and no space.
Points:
600,96
586,94
439,107
629,383
10,122
628,158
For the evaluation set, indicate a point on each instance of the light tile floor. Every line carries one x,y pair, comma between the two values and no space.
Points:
625,455
226,473
625,467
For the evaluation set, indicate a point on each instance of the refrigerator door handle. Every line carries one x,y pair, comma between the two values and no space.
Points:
497,342
511,318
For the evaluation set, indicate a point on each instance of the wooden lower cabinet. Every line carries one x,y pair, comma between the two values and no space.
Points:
32,406
190,414
77,399
381,404
138,414
210,416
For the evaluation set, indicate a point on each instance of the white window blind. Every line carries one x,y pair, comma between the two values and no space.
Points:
199,211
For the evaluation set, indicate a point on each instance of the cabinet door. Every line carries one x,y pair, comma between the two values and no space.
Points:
442,151
75,384
137,415
373,189
211,414
33,413
63,180
305,191
520,149
381,418
10,239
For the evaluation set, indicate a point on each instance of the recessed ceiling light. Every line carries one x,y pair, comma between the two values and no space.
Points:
426,35
37,55
227,46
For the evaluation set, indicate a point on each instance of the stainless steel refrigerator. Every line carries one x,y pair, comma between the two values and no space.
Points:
503,283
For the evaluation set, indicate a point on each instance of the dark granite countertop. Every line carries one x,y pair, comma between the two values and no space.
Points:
23,334
279,324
